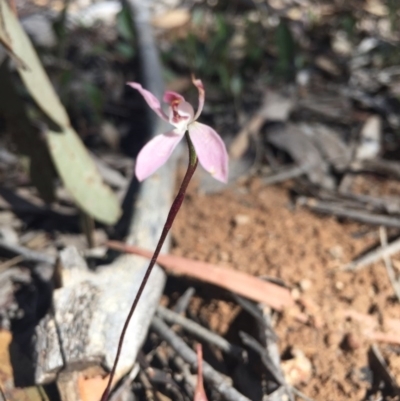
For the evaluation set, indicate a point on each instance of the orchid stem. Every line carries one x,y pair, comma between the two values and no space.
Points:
176,205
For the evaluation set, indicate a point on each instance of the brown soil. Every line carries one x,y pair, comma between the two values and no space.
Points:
256,229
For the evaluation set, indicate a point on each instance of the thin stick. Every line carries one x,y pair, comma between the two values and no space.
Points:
167,226
287,174
201,332
374,256
183,302
357,215
301,394
149,391
211,376
27,254
388,263
11,263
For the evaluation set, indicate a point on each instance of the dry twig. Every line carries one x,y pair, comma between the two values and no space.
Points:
374,256
201,332
357,215
183,302
10,263
27,254
214,378
388,263
287,174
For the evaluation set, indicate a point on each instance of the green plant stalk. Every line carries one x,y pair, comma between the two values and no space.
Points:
176,205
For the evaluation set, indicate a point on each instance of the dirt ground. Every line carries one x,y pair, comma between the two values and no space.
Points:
257,229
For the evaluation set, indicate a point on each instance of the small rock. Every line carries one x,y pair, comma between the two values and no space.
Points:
332,339
336,252
339,285
341,44
370,139
241,219
9,235
223,256
303,77
305,284
103,11
350,342
110,135
297,370
295,293
277,107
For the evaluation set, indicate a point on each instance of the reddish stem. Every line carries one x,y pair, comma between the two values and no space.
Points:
167,226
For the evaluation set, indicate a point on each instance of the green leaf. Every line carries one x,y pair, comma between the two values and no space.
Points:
72,161
80,176
33,74
6,41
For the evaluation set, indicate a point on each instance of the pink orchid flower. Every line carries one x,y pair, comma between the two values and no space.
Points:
210,148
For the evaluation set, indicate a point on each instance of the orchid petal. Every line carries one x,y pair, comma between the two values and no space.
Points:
170,97
199,85
155,153
150,99
210,149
